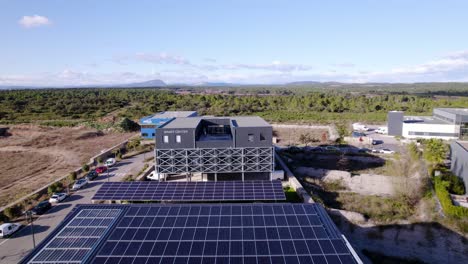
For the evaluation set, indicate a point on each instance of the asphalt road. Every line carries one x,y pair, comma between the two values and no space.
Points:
13,249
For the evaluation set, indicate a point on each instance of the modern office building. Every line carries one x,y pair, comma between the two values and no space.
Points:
445,123
148,124
221,147
459,159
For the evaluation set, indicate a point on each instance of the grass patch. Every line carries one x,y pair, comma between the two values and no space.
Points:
291,195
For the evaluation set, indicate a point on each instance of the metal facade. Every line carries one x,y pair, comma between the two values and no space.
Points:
215,160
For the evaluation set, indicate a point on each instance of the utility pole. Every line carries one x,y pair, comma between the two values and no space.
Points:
30,219
107,166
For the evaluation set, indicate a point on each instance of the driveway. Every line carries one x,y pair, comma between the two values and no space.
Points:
13,249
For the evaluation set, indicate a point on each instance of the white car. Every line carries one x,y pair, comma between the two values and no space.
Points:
381,130
8,229
153,176
57,197
110,162
79,184
387,151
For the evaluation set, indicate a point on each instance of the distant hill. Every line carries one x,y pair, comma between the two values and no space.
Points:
150,83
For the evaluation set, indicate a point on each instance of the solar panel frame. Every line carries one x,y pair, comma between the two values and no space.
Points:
191,191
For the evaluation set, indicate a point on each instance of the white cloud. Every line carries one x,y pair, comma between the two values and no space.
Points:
162,58
34,21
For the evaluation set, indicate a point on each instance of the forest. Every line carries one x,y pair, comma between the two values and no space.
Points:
72,106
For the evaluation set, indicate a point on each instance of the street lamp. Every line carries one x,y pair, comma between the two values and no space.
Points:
30,220
107,166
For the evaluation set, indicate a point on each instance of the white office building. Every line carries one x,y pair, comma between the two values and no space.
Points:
445,123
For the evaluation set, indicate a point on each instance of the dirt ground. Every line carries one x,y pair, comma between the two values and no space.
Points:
290,136
33,156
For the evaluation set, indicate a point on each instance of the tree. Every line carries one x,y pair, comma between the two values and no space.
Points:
85,167
129,125
435,151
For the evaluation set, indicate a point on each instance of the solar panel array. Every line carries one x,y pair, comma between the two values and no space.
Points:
191,191
224,233
78,238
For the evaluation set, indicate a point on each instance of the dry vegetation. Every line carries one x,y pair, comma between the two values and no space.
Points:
291,136
33,156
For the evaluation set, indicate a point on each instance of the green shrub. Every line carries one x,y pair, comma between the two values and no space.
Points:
9,213
456,185
72,176
55,187
85,167
442,193
100,160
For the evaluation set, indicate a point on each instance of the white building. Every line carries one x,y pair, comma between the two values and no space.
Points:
445,123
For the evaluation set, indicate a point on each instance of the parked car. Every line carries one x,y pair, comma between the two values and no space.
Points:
359,126
364,150
8,229
79,184
91,175
382,130
375,151
377,142
41,208
357,134
387,151
153,176
57,197
101,169
110,162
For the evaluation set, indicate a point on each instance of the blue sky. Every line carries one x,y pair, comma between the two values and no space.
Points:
102,42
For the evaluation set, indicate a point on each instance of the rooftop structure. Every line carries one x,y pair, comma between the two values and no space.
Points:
148,124
205,233
215,145
445,123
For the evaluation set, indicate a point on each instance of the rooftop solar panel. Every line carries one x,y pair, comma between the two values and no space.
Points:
73,242
212,233
191,191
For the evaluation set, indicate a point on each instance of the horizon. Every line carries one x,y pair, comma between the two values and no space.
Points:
84,43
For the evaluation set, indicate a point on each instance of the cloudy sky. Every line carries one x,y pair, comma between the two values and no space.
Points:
244,41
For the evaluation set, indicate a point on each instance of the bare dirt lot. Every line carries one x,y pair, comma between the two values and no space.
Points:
290,134
33,156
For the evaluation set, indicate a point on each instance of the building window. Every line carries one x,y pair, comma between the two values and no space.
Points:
178,138
152,134
251,138
166,139
262,137
144,134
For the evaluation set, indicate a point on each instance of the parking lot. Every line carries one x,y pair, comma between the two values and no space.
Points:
13,249
389,142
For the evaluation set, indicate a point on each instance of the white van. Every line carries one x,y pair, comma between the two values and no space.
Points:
153,176
360,127
8,229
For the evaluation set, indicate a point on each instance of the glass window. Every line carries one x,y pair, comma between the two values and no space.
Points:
251,138
262,137
144,134
166,139
178,138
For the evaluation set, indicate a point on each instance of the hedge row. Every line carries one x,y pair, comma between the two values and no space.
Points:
445,200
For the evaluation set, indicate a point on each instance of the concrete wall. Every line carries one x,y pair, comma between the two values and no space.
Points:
242,137
459,158
187,136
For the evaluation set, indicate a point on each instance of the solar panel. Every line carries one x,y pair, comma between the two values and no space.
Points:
191,191
78,237
235,233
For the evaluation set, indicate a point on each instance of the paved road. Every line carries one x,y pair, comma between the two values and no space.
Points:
12,250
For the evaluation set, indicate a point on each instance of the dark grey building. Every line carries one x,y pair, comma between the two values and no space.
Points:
395,123
216,146
459,159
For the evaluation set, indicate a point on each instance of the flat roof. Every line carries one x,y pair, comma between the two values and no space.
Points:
238,121
152,119
425,120
195,233
457,111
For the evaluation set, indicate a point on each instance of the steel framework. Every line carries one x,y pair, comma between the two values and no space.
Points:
215,160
